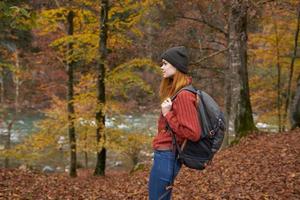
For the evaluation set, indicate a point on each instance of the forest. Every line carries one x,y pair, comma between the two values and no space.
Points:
79,95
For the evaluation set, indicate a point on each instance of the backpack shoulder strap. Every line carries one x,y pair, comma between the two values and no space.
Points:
189,88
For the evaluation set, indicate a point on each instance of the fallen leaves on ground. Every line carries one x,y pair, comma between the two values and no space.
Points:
261,166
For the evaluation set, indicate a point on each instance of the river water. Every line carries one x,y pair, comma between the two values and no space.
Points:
145,123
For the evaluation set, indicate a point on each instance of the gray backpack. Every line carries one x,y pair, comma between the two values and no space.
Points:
197,154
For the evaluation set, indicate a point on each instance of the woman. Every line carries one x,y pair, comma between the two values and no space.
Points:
181,116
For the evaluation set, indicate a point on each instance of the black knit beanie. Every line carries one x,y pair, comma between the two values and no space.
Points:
177,56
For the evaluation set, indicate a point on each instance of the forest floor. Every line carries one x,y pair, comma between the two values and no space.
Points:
261,166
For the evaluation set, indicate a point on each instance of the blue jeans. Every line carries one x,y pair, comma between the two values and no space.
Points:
162,174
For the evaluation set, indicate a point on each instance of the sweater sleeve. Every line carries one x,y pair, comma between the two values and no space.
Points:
183,118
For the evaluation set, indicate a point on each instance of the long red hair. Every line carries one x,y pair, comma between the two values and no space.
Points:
169,86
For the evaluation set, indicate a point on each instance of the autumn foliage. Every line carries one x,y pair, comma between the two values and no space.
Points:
262,166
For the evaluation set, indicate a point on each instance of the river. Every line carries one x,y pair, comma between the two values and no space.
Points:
138,122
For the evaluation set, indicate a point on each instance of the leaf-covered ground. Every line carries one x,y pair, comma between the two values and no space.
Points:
262,166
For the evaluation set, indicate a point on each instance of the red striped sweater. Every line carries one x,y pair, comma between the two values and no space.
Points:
183,119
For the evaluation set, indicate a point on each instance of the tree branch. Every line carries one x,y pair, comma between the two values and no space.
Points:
57,3
217,42
81,5
219,70
203,48
260,3
209,56
206,23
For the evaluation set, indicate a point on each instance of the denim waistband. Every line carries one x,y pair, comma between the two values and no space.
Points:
163,150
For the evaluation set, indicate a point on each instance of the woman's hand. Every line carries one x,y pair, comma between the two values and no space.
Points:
166,106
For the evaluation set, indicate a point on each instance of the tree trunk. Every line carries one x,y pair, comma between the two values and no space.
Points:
288,99
227,88
100,115
295,111
17,81
86,158
279,102
241,111
228,91
70,94
8,142
2,86
149,43
7,147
